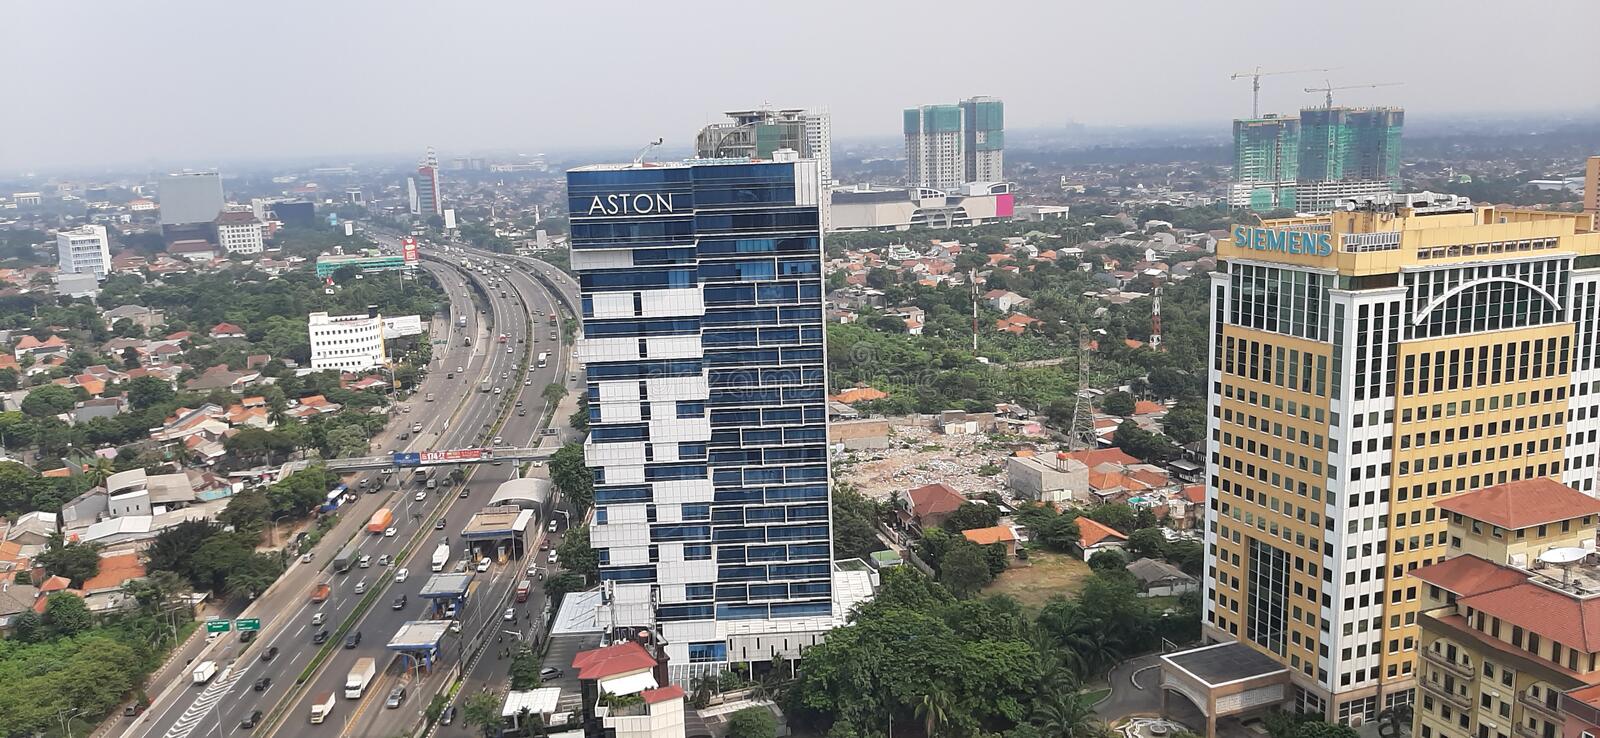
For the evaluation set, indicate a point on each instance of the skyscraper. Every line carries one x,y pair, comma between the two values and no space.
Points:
190,197
703,345
1591,186
423,189
983,121
1266,156
1332,153
758,133
950,145
1364,366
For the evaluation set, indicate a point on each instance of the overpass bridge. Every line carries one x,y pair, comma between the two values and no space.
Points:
424,459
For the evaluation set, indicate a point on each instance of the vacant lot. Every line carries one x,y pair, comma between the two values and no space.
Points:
1043,576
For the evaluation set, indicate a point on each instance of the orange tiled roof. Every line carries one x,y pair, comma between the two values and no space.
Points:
1146,407
115,571
1523,504
1195,494
1467,575
986,536
1091,532
859,394
932,499
1554,615
669,692
1095,457
620,658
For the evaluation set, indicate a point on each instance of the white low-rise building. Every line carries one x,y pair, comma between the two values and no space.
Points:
84,250
354,343
238,232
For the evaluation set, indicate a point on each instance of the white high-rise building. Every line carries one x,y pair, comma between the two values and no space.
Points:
950,145
84,250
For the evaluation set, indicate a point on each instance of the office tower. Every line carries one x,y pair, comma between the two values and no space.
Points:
1342,153
1266,155
758,133
702,343
238,232
983,121
935,147
190,197
84,250
1503,625
1591,186
1365,365
423,189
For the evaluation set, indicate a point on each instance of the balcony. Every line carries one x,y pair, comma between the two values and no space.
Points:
1465,671
1545,711
1436,689
1524,731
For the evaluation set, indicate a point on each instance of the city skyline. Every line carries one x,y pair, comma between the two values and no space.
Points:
472,111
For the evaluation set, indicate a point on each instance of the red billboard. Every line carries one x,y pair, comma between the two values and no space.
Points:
408,248
455,456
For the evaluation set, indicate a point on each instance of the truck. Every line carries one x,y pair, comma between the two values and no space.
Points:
355,683
461,321
484,386
320,594
552,319
347,557
544,359
322,707
523,588
203,672
441,556
380,521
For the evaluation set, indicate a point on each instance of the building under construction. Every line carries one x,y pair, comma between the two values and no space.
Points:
1311,163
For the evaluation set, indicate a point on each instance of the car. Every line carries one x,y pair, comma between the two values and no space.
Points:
405,408
399,603
462,495
416,427
389,532
352,640
544,545
365,561
420,496
402,574
317,618
508,349
438,524
521,413
262,684
396,696
498,441
509,615
361,587
552,559
552,525
519,403
550,672
455,626
246,636
527,382
321,637
483,565
503,375
251,720
448,716
449,375
385,559
459,369
269,654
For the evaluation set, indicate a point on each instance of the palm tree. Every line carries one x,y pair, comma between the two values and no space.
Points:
935,710
1065,716
99,470
1095,649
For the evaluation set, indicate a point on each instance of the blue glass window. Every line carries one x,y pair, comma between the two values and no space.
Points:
769,591
680,533
599,516
741,612
614,495
629,574
696,512
618,433
691,450
696,552
684,612
698,591
801,609
796,532
741,573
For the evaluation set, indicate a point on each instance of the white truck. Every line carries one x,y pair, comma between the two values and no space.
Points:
321,708
355,683
204,671
441,556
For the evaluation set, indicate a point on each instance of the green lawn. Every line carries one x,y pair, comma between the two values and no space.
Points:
1044,576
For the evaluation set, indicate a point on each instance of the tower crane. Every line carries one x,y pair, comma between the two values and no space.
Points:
639,159
1329,88
1255,84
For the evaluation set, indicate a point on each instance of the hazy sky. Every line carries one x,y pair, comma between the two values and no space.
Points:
194,83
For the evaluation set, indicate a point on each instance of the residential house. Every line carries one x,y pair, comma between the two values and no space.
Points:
100,407
928,506
221,377
312,406
1016,324
146,318
1095,536
15,599
1158,578
858,394
225,330
1005,535
195,250
53,346
1004,301
106,591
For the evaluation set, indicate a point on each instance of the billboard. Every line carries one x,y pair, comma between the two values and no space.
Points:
454,456
450,219
408,248
406,458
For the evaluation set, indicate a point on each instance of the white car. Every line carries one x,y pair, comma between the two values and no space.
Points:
527,382
498,441
389,532
402,574
508,349
509,615
455,626
552,559
421,496
483,565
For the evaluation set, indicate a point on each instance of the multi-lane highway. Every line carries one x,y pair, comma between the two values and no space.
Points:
459,416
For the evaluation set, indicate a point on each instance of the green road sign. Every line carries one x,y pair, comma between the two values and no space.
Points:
217,626
247,624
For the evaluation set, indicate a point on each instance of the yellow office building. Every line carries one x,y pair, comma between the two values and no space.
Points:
1364,365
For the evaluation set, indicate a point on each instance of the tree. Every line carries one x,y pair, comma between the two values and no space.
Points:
9,379
147,391
130,358
1117,403
524,671
1065,716
1118,515
752,722
247,511
572,476
1394,721
965,569
576,554
553,393
1108,559
855,524
935,710
65,615
49,400
971,515
19,487
99,470
1147,543
558,585
347,441
1141,443
483,711
76,561
1185,423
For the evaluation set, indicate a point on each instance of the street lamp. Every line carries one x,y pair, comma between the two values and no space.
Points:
66,722
275,528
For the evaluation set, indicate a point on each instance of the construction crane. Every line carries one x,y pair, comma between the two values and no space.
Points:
638,160
1329,88
1255,84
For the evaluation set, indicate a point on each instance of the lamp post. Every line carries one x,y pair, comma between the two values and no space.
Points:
275,528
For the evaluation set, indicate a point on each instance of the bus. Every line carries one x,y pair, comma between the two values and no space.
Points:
544,358
335,495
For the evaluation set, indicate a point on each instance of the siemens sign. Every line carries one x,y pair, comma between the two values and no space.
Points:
630,204
1292,242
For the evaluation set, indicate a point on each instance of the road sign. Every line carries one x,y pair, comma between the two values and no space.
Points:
217,626
248,624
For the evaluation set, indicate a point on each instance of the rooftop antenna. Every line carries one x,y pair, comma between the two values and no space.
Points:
644,152
1255,84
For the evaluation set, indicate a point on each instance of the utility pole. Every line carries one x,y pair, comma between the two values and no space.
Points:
1155,319
972,281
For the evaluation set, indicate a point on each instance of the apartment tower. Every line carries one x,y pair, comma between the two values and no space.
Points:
425,197
1331,153
950,145
1366,365
702,342
1266,156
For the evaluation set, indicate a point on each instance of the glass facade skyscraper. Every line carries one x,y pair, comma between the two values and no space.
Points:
702,340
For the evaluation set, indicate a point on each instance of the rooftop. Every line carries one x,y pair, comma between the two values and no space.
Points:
1522,504
612,660
1223,663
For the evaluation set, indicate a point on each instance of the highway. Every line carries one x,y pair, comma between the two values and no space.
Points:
455,419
